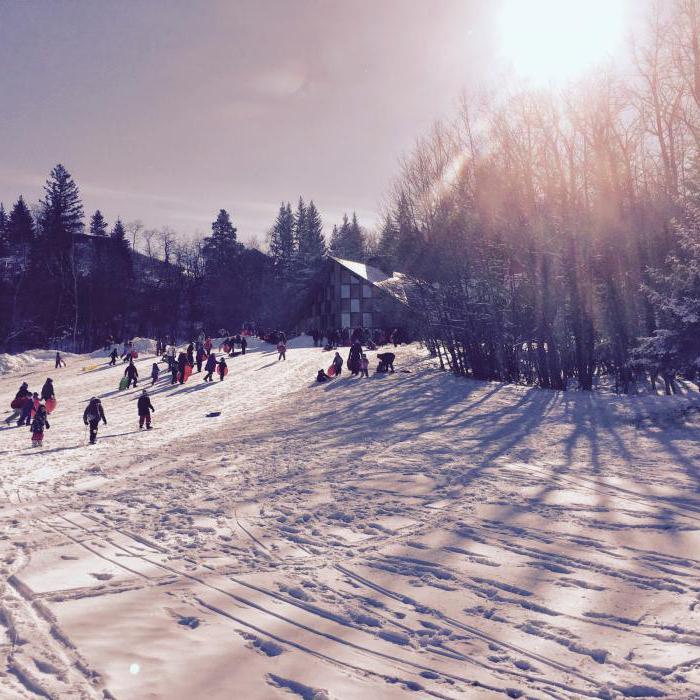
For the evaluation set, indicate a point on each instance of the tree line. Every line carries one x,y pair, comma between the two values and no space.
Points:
64,286
555,234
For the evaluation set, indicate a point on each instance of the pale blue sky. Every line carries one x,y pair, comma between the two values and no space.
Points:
167,110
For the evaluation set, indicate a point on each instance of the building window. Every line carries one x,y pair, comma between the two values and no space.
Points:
345,320
354,305
345,277
344,291
366,291
367,320
355,320
355,291
345,304
354,280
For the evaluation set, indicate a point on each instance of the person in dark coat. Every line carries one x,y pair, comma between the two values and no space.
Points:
155,372
132,373
18,403
386,361
181,362
338,364
114,355
173,372
39,423
93,414
60,362
322,376
47,391
190,354
201,354
354,357
145,407
244,345
210,367
222,369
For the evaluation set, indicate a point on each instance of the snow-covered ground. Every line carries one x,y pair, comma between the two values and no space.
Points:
404,535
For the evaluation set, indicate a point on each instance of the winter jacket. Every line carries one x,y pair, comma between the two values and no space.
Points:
155,370
94,412
211,364
40,421
47,391
131,371
222,366
144,405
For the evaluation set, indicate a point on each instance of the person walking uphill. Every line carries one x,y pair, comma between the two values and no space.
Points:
94,413
181,362
282,350
60,362
39,424
145,407
155,372
132,373
199,357
244,345
47,391
113,355
210,367
338,364
222,369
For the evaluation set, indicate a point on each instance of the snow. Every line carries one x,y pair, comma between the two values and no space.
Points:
413,534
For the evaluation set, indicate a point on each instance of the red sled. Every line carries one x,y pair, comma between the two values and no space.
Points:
227,347
331,371
16,404
186,373
134,354
225,371
51,405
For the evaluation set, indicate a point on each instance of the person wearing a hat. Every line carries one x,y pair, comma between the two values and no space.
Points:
145,407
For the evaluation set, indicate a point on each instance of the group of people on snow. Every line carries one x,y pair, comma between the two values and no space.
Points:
31,409
371,338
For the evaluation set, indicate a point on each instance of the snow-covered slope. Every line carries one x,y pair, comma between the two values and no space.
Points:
403,535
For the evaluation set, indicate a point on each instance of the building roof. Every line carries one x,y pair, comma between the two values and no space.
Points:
396,284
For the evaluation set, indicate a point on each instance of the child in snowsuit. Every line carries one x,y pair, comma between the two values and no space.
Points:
181,362
155,371
210,367
92,415
322,376
222,369
364,366
145,407
338,364
114,354
59,360
132,373
282,350
25,416
39,423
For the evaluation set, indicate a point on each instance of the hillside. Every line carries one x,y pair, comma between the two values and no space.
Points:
406,535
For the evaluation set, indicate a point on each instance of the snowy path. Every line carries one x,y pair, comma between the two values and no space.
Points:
411,534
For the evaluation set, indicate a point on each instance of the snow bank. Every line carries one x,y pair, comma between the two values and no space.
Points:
10,363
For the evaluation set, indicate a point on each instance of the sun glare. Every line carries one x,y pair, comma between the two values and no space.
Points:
551,41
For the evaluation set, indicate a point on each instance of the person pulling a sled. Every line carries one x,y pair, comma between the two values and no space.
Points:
145,407
222,369
60,362
18,402
132,373
47,391
39,424
93,414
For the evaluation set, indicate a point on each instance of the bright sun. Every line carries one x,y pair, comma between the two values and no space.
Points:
551,41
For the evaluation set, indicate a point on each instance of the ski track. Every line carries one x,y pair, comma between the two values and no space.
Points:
410,534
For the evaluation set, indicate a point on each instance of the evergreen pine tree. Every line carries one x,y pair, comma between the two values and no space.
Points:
388,243
20,225
347,241
409,248
62,210
282,240
222,229
4,238
118,235
674,294
299,233
315,245
98,225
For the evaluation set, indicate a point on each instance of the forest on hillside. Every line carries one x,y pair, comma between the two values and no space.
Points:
557,232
